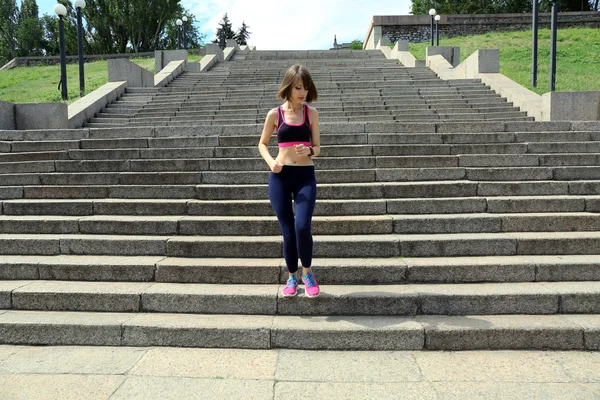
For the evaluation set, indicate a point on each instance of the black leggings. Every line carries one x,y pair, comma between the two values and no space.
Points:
299,182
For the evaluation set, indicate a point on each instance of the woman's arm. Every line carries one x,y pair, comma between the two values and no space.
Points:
263,144
315,131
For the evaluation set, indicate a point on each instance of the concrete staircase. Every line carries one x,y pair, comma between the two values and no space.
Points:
446,218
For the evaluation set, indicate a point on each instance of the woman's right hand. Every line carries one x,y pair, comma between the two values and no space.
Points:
276,166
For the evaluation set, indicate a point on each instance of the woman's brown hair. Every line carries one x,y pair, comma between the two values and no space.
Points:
294,73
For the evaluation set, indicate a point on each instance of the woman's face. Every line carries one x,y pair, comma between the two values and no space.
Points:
299,91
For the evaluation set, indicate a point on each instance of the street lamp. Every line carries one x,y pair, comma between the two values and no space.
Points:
437,30
432,13
80,5
534,44
179,23
184,38
61,11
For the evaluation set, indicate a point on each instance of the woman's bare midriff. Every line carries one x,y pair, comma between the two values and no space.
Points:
288,156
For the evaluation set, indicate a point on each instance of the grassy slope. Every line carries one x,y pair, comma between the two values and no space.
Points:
40,83
577,56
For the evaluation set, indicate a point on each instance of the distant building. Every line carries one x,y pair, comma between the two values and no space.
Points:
337,46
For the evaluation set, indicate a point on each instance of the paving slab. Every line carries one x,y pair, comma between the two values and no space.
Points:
496,366
512,390
347,366
228,364
347,390
55,386
163,388
88,360
8,350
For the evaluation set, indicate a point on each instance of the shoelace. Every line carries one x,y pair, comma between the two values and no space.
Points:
310,281
291,283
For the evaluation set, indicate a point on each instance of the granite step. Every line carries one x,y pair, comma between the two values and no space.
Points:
382,190
431,332
331,271
118,173
475,166
185,225
266,299
325,246
414,206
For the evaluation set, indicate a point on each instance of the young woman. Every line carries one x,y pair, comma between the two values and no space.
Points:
293,172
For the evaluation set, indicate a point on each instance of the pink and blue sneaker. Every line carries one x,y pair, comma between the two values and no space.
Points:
291,288
311,287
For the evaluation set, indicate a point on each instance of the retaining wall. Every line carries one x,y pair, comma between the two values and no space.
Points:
418,28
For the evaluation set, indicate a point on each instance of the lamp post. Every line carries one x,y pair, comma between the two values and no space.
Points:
534,44
432,13
61,11
80,5
553,29
179,23
437,30
184,38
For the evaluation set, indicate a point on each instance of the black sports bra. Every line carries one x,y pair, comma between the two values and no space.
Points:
290,134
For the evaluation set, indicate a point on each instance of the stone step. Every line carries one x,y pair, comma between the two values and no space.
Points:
321,225
417,206
323,207
331,271
424,332
325,246
335,144
349,144
403,90
385,190
476,167
267,299
357,127
241,122
334,100
118,173
258,88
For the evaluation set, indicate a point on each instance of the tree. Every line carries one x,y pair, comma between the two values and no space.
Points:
51,38
194,39
122,25
421,7
225,27
242,35
49,24
8,24
356,45
30,31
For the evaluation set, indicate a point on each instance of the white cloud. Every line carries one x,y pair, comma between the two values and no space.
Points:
284,25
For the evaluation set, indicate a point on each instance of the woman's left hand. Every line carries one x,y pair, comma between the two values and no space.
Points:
302,150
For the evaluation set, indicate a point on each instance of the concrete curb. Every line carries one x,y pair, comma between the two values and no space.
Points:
484,64
170,72
85,108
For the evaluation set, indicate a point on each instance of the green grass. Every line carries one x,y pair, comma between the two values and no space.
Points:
577,56
40,83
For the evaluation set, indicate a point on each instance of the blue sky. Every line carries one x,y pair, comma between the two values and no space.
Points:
280,25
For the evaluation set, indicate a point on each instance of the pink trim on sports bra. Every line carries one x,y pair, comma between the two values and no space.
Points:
287,144
303,116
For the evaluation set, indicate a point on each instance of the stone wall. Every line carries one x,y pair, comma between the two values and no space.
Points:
417,28
53,60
